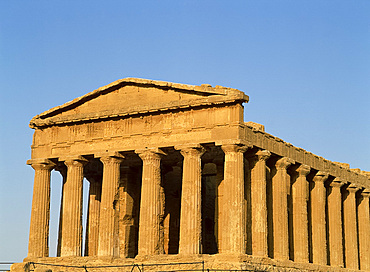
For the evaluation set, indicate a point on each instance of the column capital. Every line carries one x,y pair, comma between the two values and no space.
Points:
366,193
352,188
41,164
150,153
191,149
337,183
284,163
74,160
263,155
320,177
234,148
111,159
303,170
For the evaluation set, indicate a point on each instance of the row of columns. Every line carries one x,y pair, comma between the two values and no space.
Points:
149,230
232,228
354,253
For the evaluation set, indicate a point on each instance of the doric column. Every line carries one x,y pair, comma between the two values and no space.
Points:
111,177
93,215
364,230
72,207
233,232
300,194
191,201
259,204
350,228
280,189
40,212
335,224
126,214
150,203
318,222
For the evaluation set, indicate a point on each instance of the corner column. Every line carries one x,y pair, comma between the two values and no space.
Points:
364,230
111,177
259,204
232,229
280,189
150,203
300,216
40,211
72,208
191,201
350,228
335,224
318,205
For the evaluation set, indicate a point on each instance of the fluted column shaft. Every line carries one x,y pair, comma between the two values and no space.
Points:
72,208
300,193
40,212
364,230
280,185
318,207
191,202
111,177
150,203
126,215
259,204
335,224
93,219
350,229
233,232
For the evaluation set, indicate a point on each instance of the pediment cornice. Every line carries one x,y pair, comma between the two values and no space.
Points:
204,95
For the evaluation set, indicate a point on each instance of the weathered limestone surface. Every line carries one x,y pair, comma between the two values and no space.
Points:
150,206
259,204
111,178
190,218
350,228
300,216
72,208
233,228
318,208
280,189
127,235
335,224
40,213
197,183
364,230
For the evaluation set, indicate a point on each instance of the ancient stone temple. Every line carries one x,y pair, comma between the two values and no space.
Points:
177,177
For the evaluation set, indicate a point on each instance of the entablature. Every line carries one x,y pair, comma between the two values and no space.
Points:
263,140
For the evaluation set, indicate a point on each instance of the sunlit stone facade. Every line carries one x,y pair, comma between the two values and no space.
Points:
177,175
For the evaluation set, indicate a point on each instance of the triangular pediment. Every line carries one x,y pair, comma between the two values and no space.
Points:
132,96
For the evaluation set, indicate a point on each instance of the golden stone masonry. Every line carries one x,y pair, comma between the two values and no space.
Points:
177,176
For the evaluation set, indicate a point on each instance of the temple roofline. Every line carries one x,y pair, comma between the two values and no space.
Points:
204,90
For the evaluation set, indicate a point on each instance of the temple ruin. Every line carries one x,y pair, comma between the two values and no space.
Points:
177,176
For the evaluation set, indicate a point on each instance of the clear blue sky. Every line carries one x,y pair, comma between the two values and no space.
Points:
304,64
